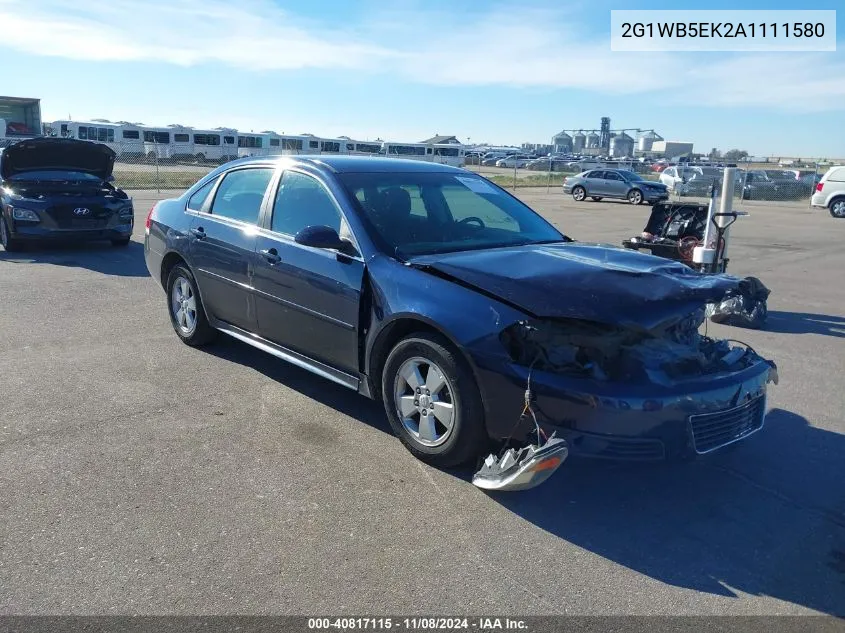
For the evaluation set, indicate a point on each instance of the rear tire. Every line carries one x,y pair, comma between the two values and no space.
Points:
185,308
425,382
8,243
579,194
837,208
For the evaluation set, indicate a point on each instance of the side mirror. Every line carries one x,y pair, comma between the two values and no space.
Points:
320,236
110,178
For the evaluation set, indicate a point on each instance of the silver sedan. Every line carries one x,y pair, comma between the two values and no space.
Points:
614,183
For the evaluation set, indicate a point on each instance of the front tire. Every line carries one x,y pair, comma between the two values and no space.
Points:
432,401
185,308
837,208
579,194
8,243
635,196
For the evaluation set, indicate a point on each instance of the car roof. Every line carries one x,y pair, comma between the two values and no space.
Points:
354,164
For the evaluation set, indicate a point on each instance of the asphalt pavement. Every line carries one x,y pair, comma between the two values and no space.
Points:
141,476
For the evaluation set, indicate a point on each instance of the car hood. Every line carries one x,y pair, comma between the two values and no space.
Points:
576,280
57,153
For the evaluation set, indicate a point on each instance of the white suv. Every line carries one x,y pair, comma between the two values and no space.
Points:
830,192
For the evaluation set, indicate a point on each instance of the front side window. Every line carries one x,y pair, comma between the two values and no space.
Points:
302,201
240,194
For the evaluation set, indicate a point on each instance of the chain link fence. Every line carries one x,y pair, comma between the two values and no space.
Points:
546,172
788,182
165,167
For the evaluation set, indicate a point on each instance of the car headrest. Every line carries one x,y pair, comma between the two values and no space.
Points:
396,203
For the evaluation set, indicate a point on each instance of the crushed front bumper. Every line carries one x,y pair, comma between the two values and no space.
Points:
630,422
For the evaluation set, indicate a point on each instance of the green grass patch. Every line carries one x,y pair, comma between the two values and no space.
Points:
151,180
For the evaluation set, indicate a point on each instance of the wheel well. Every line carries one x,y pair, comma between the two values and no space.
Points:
387,340
167,264
835,198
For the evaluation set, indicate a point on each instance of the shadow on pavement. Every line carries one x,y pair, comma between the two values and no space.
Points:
766,517
805,323
101,257
339,398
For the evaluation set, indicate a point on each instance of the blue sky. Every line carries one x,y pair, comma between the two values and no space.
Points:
502,72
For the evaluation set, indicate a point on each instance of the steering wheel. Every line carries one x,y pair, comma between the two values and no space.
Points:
475,220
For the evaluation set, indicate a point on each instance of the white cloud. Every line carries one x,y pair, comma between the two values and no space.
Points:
250,34
505,47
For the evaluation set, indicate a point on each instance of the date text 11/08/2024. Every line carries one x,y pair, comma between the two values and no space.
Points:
417,623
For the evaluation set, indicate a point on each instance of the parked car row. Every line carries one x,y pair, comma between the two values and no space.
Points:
756,184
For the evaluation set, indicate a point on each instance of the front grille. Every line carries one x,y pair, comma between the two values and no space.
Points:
714,430
65,218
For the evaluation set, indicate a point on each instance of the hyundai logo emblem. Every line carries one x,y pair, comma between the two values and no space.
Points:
81,211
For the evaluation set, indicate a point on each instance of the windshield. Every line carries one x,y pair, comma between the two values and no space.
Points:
412,214
56,175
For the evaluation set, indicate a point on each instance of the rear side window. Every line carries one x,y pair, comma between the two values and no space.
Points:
196,201
240,194
836,174
302,201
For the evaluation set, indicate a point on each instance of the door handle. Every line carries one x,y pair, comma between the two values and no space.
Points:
271,255
199,233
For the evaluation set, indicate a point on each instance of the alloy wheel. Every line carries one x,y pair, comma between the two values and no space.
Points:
837,209
425,401
183,303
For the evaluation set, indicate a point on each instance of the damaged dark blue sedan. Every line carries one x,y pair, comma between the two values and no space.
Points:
437,292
